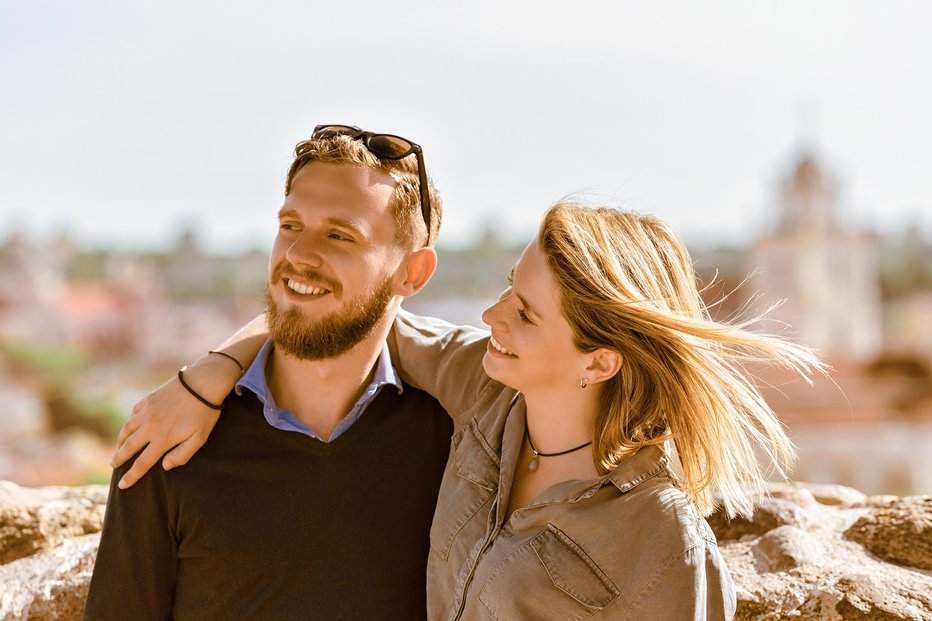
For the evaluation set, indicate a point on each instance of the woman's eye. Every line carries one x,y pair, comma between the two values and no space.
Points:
523,316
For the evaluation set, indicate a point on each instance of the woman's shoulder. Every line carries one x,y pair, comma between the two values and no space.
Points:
657,542
643,517
643,536
653,503
680,572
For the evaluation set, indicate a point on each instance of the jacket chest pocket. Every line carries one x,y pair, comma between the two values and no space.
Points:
550,577
470,482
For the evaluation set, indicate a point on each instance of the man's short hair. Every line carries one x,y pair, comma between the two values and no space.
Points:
410,229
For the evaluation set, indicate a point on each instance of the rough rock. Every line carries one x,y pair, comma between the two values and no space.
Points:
785,548
829,494
48,543
811,552
802,558
778,510
36,519
898,530
51,584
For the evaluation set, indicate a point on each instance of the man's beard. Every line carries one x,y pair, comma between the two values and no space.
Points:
332,335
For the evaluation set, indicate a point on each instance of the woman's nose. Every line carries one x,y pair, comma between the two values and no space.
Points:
494,315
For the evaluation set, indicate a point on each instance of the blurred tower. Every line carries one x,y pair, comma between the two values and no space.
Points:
826,272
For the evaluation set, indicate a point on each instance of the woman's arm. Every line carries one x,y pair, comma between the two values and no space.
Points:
694,586
170,419
440,358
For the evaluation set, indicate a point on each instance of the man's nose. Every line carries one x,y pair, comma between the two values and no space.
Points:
304,251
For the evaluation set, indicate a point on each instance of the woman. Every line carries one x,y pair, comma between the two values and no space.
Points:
562,497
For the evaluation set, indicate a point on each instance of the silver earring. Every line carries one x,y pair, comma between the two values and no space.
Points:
584,382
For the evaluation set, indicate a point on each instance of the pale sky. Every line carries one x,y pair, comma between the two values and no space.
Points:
122,120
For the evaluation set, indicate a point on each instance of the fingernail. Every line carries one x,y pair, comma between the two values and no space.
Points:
122,483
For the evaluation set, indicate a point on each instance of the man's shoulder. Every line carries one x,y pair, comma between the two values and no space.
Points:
411,395
414,406
240,417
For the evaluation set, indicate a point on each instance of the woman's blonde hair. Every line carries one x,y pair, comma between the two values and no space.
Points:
627,284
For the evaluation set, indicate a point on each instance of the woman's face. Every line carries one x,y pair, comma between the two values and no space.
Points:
531,348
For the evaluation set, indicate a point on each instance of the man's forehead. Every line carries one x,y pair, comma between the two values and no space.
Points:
343,195
343,177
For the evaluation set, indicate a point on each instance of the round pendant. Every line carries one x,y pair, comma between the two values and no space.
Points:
532,466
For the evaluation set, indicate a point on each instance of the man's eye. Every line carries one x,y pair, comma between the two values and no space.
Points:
288,226
340,237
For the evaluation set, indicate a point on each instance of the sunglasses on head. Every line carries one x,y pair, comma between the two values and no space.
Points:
387,146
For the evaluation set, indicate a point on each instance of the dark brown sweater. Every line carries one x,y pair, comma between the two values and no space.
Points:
271,524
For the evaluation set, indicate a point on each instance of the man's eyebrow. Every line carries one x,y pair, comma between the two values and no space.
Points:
352,225
287,213
527,307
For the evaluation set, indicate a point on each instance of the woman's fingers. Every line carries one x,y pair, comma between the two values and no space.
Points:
129,428
180,455
167,419
127,447
148,458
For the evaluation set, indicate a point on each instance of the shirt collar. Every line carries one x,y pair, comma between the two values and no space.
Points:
254,378
385,373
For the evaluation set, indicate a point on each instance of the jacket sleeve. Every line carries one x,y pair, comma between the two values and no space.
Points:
694,586
441,359
134,575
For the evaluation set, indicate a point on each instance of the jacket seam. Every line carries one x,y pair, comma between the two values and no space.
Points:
659,573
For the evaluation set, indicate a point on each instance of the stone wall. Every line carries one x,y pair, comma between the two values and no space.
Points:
811,552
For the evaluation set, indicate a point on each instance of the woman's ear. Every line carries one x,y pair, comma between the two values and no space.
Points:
415,270
604,364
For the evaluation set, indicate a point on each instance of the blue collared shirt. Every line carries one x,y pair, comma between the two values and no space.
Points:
254,380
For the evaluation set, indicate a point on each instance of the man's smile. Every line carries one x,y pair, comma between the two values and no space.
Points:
304,289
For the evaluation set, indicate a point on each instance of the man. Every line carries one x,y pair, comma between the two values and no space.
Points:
313,496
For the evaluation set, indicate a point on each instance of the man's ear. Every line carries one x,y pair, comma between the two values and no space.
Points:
415,271
604,364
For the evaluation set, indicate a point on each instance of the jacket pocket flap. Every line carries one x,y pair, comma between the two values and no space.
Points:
572,570
475,459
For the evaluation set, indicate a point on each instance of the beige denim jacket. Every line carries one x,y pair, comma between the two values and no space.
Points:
628,545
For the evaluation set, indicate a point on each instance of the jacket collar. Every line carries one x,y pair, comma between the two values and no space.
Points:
646,463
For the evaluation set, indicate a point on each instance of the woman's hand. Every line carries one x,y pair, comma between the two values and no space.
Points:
170,419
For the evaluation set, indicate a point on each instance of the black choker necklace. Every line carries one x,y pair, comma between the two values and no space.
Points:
532,466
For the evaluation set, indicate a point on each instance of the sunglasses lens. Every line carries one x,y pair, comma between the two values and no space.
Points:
329,131
391,147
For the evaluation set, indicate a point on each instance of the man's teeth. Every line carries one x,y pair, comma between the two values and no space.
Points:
498,346
304,289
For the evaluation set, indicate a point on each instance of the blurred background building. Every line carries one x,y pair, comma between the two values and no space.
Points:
84,333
